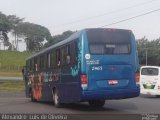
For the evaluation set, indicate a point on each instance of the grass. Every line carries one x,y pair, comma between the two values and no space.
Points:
12,61
11,86
13,58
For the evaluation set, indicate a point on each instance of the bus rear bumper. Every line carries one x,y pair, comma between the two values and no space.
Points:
110,94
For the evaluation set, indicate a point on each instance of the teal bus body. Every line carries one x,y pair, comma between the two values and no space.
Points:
104,67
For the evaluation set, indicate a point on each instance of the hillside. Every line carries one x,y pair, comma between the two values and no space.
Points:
12,61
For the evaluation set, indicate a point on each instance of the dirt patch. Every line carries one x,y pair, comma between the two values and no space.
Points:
16,74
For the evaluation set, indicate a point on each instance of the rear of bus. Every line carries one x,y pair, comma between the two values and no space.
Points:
109,64
150,80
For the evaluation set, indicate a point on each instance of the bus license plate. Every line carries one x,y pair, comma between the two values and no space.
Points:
112,82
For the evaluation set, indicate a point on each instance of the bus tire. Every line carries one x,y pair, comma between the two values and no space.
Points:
96,103
57,104
158,96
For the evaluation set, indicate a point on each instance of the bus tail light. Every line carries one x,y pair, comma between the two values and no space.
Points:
158,87
84,81
137,77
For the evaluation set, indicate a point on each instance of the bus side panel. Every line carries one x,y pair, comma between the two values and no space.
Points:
70,87
47,92
40,86
134,54
67,85
51,79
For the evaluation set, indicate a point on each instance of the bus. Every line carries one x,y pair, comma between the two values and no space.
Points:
92,65
150,80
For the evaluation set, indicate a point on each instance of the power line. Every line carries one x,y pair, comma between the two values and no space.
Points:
127,19
112,19
132,18
104,14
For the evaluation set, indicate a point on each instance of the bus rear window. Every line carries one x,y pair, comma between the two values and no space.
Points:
149,71
104,41
110,48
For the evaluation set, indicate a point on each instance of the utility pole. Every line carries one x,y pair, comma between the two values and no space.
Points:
146,56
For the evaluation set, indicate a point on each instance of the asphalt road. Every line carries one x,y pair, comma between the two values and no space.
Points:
17,103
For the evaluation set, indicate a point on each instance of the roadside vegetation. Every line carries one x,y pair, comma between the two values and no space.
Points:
13,58
12,61
149,51
11,86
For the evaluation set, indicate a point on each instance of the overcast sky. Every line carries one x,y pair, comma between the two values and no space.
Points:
61,15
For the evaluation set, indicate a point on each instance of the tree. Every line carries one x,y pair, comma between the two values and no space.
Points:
58,38
33,34
5,27
5,24
15,21
149,51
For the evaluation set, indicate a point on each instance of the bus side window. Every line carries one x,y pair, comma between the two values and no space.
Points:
45,61
68,55
73,52
35,64
49,60
65,55
38,63
32,65
41,63
54,58
58,60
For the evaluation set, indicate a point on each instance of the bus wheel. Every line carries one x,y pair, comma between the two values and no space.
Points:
56,99
158,96
96,103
